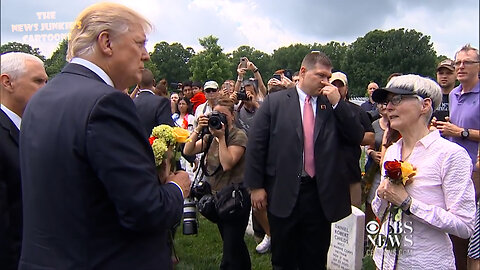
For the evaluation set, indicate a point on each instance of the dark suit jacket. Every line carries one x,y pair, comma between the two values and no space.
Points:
91,194
10,195
153,111
275,153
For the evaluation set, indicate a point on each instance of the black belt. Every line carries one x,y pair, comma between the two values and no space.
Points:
307,180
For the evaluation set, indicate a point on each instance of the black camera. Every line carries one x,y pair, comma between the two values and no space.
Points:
242,94
216,119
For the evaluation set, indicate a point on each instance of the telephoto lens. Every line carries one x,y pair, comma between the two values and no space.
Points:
190,224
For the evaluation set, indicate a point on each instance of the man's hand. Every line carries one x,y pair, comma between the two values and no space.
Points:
259,199
448,129
181,179
376,156
331,92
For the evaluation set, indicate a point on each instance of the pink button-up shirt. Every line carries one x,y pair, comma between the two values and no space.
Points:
443,202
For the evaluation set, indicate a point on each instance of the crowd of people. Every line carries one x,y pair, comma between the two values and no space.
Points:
79,187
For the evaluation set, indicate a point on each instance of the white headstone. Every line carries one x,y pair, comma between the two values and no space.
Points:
346,244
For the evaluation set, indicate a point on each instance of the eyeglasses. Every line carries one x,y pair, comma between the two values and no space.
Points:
395,100
465,63
210,90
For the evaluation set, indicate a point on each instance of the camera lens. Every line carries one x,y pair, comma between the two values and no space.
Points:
190,225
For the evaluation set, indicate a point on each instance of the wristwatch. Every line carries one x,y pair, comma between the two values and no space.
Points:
465,133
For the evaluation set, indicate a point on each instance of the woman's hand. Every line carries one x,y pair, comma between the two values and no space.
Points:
202,122
218,133
393,193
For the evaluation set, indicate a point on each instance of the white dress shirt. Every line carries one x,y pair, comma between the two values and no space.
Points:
13,116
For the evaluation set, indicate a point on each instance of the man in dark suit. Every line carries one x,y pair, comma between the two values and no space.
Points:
91,194
294,165
22,75
152,110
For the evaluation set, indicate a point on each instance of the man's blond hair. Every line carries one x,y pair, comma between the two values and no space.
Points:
110,17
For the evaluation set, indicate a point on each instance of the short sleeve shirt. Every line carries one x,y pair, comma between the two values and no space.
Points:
235,175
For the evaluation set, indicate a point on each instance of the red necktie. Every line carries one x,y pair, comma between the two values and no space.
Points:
308,126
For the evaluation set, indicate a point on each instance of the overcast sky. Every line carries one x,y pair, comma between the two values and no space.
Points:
263,24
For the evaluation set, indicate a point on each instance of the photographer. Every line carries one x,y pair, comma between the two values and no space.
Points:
225,164
249,103
242,68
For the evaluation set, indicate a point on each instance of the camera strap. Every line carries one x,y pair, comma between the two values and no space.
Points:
203,165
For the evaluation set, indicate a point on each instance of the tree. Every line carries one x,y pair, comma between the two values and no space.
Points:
57,61
379,53
20,47
171,61
290,57
211,63
261,60
335,51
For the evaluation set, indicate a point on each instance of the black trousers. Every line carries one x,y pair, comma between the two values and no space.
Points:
301,241
235,251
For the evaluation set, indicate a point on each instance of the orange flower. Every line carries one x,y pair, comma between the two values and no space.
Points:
181,135
408,171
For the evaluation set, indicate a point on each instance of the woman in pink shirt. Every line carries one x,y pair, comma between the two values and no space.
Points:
439,200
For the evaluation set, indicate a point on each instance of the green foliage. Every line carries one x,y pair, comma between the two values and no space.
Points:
170,61
211,63
290,57
379,53
20,47
372,57
54,64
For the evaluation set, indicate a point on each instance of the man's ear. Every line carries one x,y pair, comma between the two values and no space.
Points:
6,82
104,43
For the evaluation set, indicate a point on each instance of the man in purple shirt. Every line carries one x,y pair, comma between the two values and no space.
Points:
463,126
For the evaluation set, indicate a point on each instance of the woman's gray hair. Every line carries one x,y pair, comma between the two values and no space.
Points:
113,18
421,86
13,63
424,87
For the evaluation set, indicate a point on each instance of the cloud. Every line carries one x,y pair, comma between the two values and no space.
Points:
268,24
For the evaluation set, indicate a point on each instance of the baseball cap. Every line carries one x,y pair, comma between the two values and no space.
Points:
210,85
339,76
447,63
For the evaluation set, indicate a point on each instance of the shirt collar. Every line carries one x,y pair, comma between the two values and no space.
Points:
302,95
458,90
96,69
146,90
426,141
13,116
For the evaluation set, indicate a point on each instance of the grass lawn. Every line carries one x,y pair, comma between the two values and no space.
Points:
204,250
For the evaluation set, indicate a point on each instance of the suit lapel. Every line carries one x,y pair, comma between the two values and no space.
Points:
292,108
8,125
322,112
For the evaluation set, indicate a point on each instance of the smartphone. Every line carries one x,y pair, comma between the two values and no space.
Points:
243,62
277,76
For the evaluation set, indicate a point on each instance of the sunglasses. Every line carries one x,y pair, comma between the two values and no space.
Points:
210,90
